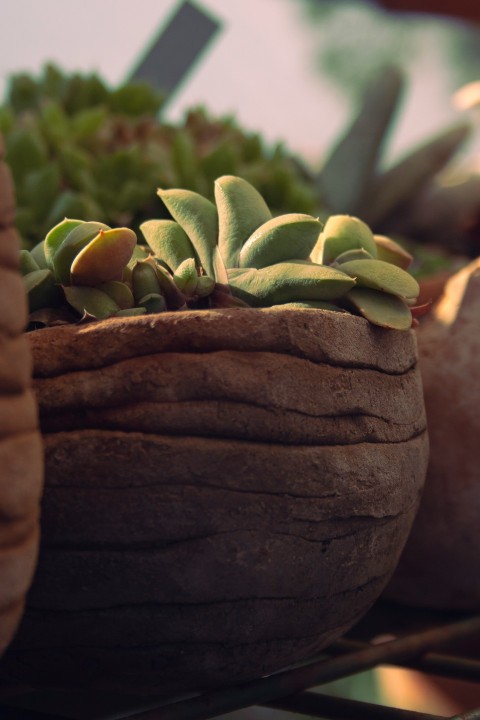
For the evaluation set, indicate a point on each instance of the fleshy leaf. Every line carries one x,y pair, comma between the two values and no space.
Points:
185,276
390,251
381,275
241,210
140,252
342,233
41,290
288,282
28,264
153,303
119,292
91,301
55,238
381,308
282,238
78,238
131,312
357,254
206,285
168,241
144,280
199,219
38,254
104,258
174,297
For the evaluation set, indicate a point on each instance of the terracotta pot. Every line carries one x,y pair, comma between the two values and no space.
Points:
441,564
226,493
21,468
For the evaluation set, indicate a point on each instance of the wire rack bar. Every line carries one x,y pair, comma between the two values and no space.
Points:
334,708
433,663
291,682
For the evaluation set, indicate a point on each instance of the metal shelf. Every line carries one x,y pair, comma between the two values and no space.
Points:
438,644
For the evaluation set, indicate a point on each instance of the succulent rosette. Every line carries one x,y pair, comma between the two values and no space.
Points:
227,253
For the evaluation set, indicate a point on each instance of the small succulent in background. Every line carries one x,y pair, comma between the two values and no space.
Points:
231,253
419,198
80,149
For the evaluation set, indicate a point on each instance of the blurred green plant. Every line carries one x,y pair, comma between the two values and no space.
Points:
231,253
419,197
80,149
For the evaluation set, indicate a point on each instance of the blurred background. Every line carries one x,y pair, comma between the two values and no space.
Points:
326,106
291,69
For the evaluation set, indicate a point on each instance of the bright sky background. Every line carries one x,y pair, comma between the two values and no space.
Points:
261,67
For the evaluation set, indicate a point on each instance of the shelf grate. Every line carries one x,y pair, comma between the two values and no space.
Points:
439,644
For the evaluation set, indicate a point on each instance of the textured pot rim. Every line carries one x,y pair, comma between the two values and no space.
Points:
317,335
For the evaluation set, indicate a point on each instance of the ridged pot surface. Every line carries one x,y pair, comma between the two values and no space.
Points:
226,493
21,465
440,567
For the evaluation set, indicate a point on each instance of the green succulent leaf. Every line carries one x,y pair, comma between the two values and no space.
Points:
241,210
290,282
73,242
186,277
104,258
342,233
91,301
144,280
140,252
153,303
199,219
119,292
205,286
41,290
55,238
381,275
219,269
131,312
168,241
174,297
380,308
282,238
390,251
28,263
358,254
38,254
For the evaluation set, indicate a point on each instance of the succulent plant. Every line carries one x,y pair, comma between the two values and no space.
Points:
80,149
406,199
231,253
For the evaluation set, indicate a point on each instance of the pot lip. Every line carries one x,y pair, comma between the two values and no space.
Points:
205,315
321,336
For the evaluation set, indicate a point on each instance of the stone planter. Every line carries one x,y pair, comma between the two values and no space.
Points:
226,492
441,564
21,468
